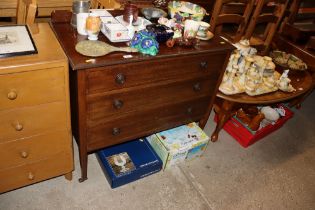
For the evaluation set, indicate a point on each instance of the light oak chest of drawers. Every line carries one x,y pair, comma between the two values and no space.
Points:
35,131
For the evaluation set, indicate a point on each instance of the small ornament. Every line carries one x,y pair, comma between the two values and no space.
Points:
145,42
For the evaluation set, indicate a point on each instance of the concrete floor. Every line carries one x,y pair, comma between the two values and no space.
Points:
277,172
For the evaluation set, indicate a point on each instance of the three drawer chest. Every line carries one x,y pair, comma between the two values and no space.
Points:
117,98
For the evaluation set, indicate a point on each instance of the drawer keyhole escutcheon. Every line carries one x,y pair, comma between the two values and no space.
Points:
116,131
189,110
120,78
18,126
118,103
197,87
204,64
24,154
12,95
31,176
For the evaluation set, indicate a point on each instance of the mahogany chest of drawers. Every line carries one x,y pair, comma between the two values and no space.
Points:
116,99
35,130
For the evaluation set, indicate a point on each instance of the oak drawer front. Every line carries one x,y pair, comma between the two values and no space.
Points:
30,88
145,122
26,150
28,121
134,74
31,173
101,106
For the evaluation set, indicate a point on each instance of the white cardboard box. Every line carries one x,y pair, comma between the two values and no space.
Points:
179,144
115,32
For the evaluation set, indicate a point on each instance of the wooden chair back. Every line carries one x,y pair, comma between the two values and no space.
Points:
102,4
26,12
271,20
222,15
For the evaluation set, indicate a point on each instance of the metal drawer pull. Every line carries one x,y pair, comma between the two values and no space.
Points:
197,87
30,176
12,95
118,103
24,154
189,110
18,126
116,131
204,64
120,79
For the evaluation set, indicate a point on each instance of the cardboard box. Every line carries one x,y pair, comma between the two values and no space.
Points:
245,136
115,32
128,162
179,144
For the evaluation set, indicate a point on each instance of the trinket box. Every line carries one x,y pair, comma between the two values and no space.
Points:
127,162
115,32
179,144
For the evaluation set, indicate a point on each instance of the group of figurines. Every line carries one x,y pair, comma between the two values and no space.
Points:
249,73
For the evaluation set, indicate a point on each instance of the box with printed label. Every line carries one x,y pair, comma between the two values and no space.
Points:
115,32
128,162
179,144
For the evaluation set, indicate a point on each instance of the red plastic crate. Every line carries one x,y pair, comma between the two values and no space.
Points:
245,136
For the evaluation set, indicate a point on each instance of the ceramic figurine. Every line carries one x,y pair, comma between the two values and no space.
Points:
284,82
252,74
145,42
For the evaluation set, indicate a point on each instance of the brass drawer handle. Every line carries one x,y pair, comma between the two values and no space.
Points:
18,126
120,79
204,64
31,176
24,154
118,103
116,131
12,95
197,87
189,110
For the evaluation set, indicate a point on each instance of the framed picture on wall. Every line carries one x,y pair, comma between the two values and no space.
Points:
16,40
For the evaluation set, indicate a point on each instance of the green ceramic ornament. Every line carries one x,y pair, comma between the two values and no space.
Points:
145,42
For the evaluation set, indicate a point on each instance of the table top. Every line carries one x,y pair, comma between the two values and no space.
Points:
301,81
68,38
50,54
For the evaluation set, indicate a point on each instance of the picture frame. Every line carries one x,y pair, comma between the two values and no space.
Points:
16,40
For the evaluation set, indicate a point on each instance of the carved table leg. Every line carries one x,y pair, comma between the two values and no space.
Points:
68,176
224,114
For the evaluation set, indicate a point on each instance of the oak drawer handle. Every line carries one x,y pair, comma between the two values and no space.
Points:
18,126
118,103
12,95
204,64
197,87
120,79
31,176
24,154
116,131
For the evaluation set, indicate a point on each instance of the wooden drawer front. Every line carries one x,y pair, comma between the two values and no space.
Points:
28,121
133,74
145,122
30,88
103,107
26,150
30,173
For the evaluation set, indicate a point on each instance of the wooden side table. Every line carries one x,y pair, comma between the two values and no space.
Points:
301,81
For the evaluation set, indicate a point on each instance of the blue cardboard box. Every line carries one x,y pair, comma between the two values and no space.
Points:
128,162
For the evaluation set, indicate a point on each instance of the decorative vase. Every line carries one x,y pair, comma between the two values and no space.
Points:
93,26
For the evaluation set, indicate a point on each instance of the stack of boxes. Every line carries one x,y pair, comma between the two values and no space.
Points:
136,159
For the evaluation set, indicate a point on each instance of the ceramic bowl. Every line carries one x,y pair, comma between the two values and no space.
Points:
183,9
152,13
162,32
